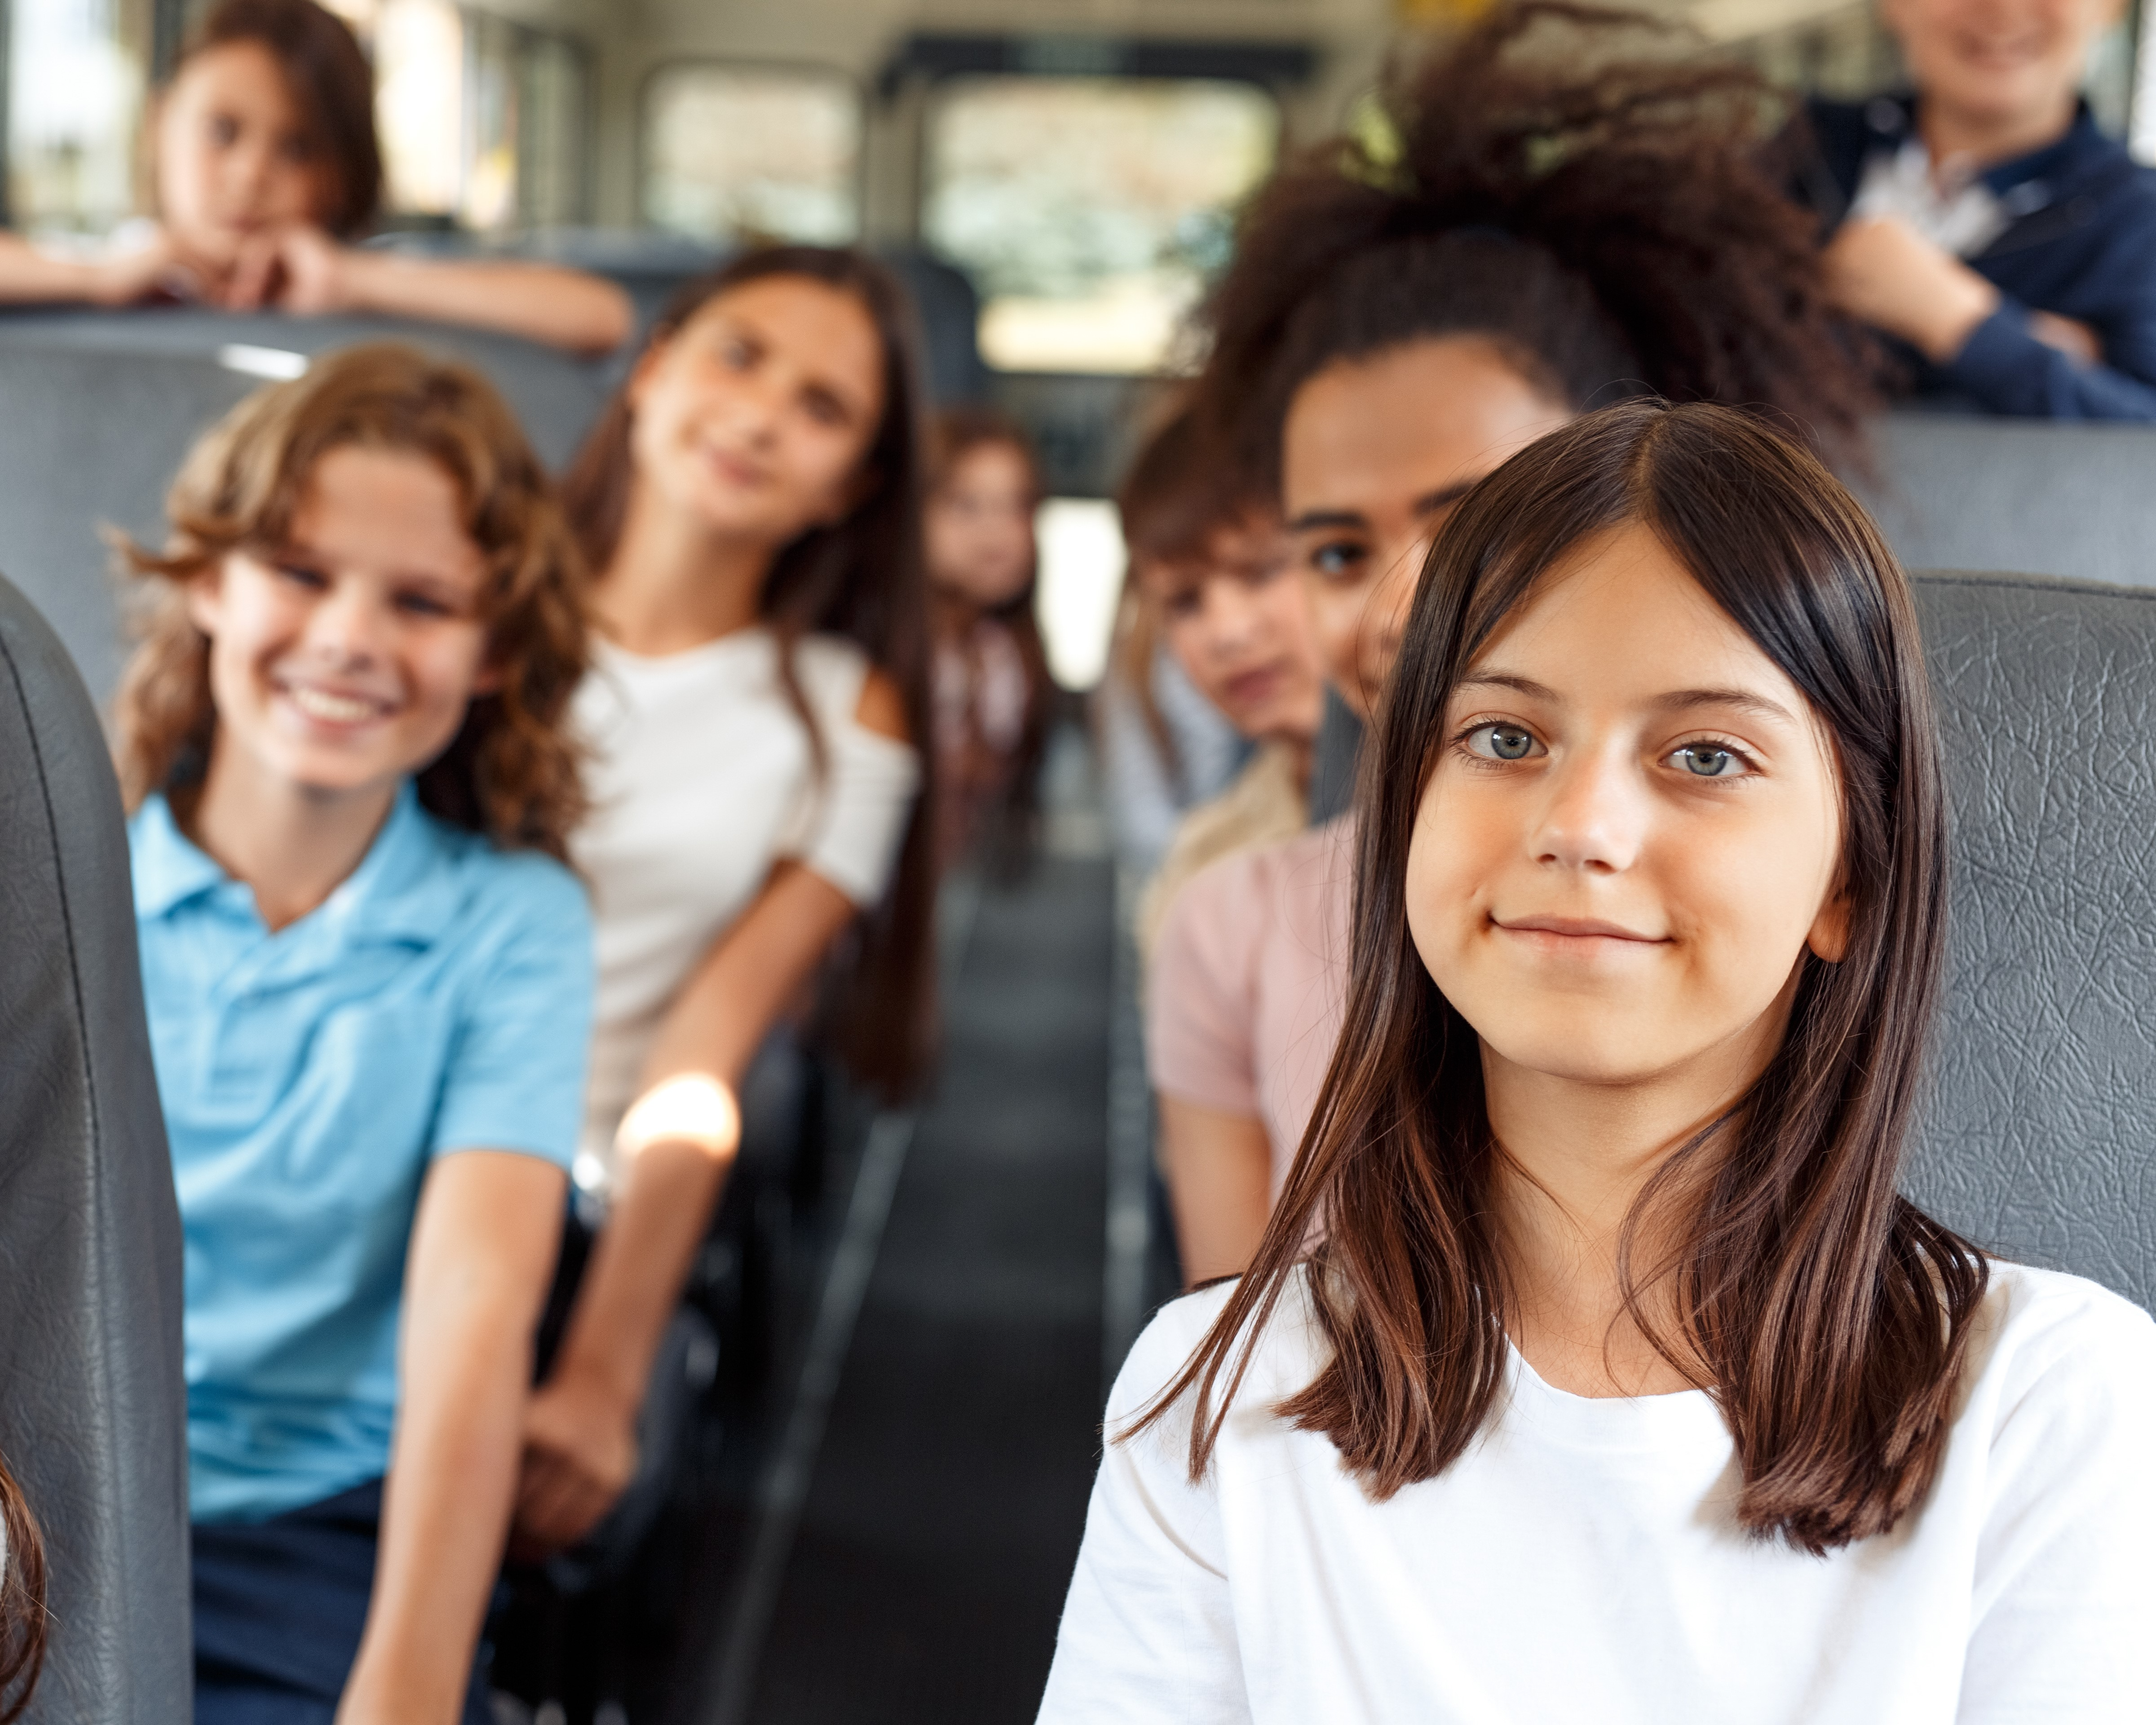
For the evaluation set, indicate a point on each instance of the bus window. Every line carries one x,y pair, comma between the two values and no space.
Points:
1089,211
732,152
76,74
482,122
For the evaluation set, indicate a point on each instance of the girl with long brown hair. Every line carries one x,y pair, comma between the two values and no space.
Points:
993,693
267,170
757,714
345,739
1546,215
1592,1366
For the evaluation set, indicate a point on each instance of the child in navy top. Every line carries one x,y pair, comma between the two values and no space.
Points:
1984,224
369,981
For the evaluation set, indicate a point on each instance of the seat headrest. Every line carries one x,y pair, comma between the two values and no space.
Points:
1969,492
2040,1139
93,1406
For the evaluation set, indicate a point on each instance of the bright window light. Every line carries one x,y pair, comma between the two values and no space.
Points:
1081,578
1090,211
771,151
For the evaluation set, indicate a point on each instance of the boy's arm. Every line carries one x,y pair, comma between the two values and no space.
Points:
482,1251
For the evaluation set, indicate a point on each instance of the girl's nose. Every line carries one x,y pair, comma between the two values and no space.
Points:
350,626
1596,814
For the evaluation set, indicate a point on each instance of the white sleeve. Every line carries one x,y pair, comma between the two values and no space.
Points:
1148,1631
855,818
2062,1628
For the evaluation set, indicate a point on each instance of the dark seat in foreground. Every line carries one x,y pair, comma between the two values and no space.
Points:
92,1405
1961,492
2040,1138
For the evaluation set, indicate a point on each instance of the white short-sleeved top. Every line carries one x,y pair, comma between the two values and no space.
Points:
1581,1562
702,777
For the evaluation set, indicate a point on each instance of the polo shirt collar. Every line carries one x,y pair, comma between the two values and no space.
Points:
167,868
404,889
1893,118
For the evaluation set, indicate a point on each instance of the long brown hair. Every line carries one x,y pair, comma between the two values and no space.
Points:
1828,1316
1556,183
331,85
511,772
954,433
22,1600
860,577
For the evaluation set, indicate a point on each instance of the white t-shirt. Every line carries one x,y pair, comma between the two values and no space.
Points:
702,777
1580,1564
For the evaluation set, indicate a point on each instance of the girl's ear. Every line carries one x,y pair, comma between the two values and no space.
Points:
205,597
647,365
1828,939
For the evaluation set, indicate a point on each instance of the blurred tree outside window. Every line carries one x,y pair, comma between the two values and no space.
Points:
734,153
1090,211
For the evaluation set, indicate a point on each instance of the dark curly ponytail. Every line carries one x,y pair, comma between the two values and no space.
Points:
1559,183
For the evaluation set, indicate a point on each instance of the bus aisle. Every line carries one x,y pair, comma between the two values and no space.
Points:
909,1560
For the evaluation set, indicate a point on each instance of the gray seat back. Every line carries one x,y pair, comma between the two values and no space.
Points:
90,439
93,1408
554,396
2040,1140
1956,492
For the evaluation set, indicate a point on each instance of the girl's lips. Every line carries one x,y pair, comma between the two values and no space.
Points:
733,469
1253,686
1555,930
333,706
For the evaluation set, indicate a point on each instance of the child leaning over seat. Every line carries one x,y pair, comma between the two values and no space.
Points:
369,980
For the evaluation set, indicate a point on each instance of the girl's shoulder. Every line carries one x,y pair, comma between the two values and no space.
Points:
508,891
1287,1352
2046,1327
831,668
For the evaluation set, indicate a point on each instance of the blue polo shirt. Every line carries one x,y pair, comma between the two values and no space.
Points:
440,999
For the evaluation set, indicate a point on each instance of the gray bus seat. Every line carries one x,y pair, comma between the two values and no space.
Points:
555,396
90,439
93,1408
2040,1137
1963,492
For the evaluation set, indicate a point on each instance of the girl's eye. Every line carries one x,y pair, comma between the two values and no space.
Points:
1342,560
1502,743
825,410
300,575
1709,760
417,603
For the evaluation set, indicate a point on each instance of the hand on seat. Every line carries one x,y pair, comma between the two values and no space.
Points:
580,1454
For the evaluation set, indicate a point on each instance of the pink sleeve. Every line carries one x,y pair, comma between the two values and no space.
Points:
1201,992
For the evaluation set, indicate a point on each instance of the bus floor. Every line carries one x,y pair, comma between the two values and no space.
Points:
885,1532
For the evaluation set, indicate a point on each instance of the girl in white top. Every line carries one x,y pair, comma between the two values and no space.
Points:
750,501
1591,1366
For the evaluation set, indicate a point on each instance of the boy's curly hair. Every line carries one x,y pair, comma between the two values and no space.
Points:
511,772
1583,189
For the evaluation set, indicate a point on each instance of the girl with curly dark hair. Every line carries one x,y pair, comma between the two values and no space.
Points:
345,738
1550,213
